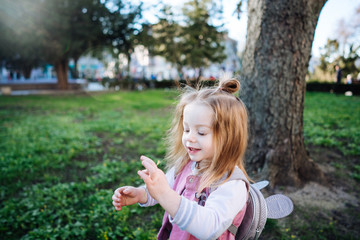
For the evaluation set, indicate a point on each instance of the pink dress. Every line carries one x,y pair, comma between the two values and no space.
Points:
186,185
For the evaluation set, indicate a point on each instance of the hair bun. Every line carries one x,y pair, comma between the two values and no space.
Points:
230,85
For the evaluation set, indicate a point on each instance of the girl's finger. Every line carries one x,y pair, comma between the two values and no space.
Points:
126,191
144,158
119,191
114,198
116,192
144,176
117,206
149,167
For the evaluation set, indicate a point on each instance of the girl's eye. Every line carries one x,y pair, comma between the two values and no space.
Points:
186,130
202,134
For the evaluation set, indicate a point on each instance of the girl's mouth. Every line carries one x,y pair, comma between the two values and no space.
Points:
193,150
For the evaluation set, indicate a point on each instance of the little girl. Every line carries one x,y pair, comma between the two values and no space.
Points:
205,189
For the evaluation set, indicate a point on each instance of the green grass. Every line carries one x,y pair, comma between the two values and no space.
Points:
333,121
313,223
61,157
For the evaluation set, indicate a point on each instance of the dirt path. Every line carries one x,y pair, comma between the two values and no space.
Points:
332,211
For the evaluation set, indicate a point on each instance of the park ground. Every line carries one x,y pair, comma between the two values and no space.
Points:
62,156
328,211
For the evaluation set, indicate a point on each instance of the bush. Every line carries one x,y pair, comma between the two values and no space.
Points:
333,87
129,83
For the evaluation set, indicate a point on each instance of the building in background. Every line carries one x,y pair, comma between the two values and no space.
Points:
144,66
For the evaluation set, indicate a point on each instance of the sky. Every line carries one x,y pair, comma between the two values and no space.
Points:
330,16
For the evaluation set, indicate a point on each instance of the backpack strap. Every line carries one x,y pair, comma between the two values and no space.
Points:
233,229
236,175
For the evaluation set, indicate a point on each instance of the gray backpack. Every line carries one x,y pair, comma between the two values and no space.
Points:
258,210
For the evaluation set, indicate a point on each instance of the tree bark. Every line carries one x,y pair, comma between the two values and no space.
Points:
76,72
278,47
61,68
26,70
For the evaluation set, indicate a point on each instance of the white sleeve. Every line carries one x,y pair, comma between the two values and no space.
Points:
221,207
170,176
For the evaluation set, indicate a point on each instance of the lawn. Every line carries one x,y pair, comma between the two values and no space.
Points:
61,157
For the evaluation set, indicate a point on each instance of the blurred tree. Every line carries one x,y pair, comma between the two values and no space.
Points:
348,61
121,27
87,29
277,53
331,55
49,31
68,29
345,50
168,38
19,38
191,39
55,31
343,34
145,37
203,42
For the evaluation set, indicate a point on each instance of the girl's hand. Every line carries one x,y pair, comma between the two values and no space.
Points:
158,186
128,195
154,178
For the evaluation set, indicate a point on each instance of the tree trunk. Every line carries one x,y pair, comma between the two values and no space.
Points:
278,47
76,72
180,71
199,75
61,69
128,55
26,70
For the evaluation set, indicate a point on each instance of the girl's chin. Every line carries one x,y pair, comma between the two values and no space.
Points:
195,159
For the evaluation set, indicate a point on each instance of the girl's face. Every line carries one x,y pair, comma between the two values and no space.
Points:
198,132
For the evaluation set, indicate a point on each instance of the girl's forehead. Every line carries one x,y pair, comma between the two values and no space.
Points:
198,113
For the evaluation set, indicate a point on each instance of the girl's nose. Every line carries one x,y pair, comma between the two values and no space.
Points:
191,137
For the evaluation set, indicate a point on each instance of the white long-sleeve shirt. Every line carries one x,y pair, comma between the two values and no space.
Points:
222,205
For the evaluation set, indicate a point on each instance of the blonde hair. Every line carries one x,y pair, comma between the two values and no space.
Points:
230,132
